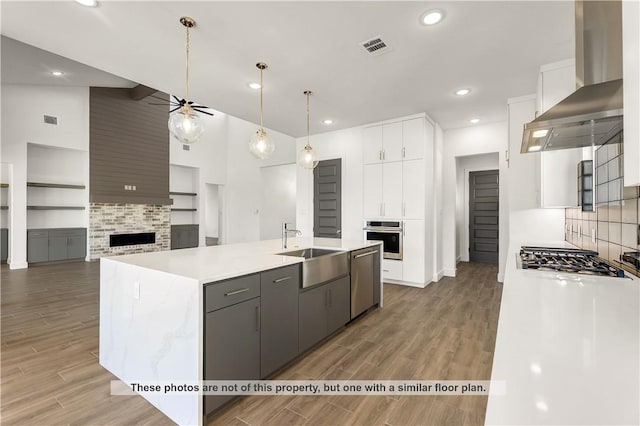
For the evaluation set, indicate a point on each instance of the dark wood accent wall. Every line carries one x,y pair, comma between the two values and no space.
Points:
128,146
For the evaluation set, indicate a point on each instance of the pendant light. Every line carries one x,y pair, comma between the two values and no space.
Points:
261,145
184,122
307,157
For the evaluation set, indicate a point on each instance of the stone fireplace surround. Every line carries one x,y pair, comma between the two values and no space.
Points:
106,219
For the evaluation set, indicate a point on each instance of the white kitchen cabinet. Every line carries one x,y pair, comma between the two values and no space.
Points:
413,138
392,190
372,205
392,269
383,190
631,91
558,169
372,140
392,142
413,251
413,189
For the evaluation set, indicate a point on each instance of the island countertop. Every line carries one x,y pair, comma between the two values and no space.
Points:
567,347
215,263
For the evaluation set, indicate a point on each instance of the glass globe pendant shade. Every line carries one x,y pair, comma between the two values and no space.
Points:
261,145
185,125
307,158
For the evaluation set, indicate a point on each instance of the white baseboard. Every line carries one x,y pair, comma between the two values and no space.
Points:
407,283
449,272
458,259
501,278
438,276
18,265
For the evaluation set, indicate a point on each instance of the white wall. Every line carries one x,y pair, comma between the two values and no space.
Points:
347,145
213,209
23,108
527,222
278,203
483,139
438,266
464,165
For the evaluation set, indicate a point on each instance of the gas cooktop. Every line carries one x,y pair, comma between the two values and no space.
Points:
567,260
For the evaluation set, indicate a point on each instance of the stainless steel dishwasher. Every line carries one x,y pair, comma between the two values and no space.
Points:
365,273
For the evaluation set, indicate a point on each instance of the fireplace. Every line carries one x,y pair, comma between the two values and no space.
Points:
120,240
116,229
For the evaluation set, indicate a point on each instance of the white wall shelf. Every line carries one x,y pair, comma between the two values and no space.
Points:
184,210
55,207
54,185
186,194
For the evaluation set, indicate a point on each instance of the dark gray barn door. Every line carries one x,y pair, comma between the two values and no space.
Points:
327,199
483,216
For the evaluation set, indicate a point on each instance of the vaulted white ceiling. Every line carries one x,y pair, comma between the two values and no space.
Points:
493,48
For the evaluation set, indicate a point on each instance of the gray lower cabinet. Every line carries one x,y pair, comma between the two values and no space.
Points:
232,333
279,317
4,244
323,310
46,245
184,236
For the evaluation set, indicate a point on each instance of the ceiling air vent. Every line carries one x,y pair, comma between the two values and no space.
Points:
51,120
375,46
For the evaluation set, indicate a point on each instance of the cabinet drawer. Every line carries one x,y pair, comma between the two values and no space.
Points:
53,233
37,233
287,275
392,269
227,293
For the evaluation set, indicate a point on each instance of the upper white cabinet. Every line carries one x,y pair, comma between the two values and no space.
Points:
402,140
413,138
631,91
558,169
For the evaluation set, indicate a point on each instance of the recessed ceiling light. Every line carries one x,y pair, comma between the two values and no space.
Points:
254,86
474,121
463,92
328,121
534,148
57,73
89,3
432,17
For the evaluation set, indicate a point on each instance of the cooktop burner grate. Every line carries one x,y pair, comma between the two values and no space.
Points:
567,260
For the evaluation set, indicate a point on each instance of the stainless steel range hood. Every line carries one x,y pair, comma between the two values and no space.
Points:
593,113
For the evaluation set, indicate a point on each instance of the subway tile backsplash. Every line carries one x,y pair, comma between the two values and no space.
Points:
616,222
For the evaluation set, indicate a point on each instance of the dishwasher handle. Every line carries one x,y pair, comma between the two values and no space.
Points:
369,253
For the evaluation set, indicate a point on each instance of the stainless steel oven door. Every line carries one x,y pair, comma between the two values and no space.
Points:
391,240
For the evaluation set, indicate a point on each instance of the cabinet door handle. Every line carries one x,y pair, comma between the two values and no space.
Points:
257,318
384,208
279,280
233,293
383,155
380,209
404,209
385,270
380,155
369,253
404,152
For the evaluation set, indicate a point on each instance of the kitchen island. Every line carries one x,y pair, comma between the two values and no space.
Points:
153,308
567,347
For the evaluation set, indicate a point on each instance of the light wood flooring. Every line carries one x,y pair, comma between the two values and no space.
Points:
50,373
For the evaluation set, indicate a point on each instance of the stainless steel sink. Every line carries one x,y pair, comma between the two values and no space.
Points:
321,265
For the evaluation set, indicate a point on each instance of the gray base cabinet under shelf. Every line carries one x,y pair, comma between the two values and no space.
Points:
4,244
323,310
48,245
279,317
184,236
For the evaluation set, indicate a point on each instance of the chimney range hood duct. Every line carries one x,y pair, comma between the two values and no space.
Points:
593,113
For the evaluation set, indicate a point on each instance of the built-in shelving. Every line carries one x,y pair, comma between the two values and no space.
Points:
56,207
187,194
184,210
4,207
54,185
4,185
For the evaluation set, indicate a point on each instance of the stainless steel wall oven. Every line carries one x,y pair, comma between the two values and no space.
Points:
390,233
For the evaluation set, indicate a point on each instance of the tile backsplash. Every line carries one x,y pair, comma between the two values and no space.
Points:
615,225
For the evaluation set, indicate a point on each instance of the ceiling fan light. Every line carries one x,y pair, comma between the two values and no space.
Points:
261,145
185,125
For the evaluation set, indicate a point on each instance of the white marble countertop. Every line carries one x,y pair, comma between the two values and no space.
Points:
568,348
214,263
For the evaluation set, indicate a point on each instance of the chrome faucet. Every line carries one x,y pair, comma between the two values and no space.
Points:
285,232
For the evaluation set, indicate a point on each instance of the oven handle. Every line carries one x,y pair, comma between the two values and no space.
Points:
382,229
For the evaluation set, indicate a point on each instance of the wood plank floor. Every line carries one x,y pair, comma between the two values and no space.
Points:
50,373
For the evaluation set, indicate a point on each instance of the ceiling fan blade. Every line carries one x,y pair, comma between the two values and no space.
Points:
175,109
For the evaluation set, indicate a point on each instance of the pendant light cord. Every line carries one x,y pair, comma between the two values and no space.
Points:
186,82
261,99
308,125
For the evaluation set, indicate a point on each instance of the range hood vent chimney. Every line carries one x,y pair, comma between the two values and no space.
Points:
593,113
